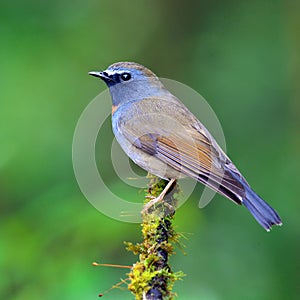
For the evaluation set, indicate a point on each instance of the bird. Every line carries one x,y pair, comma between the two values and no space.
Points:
159,133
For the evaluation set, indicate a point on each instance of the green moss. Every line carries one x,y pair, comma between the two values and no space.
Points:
152,275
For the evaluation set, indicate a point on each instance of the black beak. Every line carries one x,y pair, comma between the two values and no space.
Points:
102,75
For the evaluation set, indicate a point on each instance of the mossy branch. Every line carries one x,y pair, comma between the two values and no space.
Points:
151,277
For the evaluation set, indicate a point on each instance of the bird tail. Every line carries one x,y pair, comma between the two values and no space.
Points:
264,214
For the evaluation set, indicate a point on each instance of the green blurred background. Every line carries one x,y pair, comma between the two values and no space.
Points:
242,56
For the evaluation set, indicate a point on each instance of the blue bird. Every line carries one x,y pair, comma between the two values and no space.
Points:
162,136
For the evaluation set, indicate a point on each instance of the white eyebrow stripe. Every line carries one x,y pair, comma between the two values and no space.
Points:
113,72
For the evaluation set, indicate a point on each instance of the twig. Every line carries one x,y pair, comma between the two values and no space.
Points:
151,277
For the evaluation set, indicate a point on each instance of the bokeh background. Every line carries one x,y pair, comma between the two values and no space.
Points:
242,56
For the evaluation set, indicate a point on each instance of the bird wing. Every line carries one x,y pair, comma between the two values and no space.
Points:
174,135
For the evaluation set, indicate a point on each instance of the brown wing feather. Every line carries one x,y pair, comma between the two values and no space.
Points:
193,161
192,150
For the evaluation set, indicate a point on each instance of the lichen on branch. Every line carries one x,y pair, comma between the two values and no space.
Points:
152,277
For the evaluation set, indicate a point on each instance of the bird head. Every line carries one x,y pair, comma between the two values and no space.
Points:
128,81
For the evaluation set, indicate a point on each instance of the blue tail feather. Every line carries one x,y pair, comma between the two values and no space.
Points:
264,214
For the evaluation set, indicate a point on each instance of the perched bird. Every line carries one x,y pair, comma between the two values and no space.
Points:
163,137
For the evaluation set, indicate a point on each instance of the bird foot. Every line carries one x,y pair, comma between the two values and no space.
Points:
151,203
158,199
155,201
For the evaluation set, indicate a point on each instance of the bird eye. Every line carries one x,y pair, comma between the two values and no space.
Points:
125,76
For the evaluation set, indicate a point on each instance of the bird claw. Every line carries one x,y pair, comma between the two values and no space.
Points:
151,203
155,201
158,199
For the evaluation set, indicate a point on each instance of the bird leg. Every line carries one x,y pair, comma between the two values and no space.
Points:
159,198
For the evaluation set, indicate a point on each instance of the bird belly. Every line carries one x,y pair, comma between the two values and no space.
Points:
146,161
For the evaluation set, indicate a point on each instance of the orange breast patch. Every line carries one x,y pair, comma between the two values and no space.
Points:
114,108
